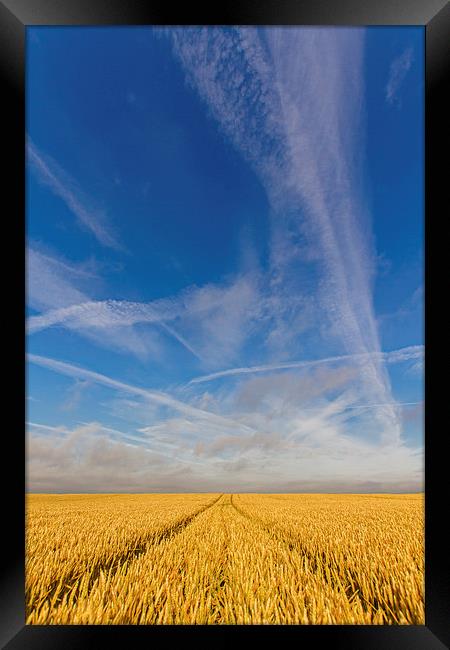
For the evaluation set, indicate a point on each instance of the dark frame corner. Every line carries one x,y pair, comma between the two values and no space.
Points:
434,16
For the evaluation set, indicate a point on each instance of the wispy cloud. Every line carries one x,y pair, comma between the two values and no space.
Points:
155,396
54,284
412,307
66,188
51,283
301,422
281,444
397,72
74,395
215,320
290,101
282,426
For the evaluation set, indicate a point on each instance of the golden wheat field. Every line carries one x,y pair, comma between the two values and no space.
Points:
225,559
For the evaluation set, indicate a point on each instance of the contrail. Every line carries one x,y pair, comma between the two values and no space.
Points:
277,94
156,396
395,356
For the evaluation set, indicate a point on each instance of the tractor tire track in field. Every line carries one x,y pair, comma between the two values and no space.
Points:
271,530
293,543
114,564
313,562
218,591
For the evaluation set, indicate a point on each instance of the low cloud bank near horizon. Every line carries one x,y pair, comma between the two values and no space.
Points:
94,458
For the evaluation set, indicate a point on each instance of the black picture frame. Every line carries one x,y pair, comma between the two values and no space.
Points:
15,16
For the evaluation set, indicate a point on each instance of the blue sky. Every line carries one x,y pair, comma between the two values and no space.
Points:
225,259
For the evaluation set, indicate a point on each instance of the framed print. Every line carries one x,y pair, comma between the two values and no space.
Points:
224,259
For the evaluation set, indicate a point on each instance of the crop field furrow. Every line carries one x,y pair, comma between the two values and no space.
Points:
78,580
218,590
270,529
71,582
377,563
171,582
313,562
225,559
